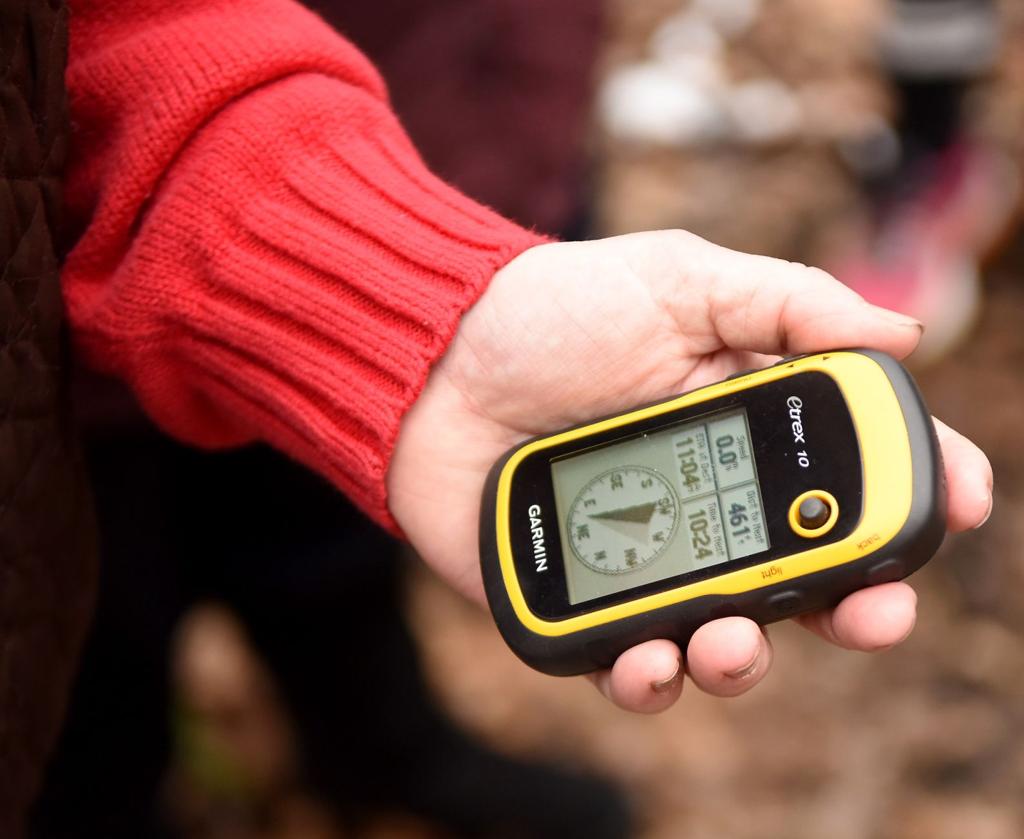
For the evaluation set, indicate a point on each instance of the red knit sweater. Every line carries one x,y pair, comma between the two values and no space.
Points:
262,254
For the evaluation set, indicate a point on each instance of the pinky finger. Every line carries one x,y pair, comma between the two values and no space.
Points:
869,620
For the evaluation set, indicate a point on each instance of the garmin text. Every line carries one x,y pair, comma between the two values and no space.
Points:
540,554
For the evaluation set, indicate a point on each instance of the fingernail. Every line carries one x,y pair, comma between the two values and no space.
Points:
900,319
988,513
665,685
747,669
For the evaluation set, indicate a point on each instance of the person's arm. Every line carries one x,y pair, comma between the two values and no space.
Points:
261,255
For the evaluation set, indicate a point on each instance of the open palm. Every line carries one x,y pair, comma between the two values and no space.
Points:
567,332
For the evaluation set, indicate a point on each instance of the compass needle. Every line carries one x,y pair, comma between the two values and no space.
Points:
640,513
638,531
623,519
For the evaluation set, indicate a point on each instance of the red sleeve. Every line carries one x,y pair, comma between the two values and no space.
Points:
262,254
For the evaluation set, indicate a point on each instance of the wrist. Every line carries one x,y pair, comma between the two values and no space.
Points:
293,285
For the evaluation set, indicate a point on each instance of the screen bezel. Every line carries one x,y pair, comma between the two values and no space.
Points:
835,466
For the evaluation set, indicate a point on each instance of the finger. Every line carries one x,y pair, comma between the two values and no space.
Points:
647,678
868,620
968,480
772,306
728,656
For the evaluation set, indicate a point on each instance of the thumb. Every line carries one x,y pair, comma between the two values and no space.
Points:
777,307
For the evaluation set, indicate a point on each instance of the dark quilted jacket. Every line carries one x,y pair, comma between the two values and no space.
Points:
46,557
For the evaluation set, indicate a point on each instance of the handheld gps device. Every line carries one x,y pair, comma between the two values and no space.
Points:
774,492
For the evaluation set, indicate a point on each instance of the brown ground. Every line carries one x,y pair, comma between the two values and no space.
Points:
922,742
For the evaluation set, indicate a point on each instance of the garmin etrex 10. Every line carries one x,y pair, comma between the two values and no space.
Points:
772,493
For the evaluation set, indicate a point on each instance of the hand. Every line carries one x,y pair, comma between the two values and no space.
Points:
567,332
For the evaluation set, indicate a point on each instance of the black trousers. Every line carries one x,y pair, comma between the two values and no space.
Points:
316,586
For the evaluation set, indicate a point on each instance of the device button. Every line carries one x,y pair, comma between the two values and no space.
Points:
886,571
813,513
740,374
785,603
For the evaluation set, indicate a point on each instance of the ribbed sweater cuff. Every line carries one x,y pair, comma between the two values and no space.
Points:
302,281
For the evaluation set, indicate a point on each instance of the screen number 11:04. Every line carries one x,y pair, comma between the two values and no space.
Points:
688,467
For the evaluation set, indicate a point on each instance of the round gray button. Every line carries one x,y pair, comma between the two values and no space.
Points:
813,513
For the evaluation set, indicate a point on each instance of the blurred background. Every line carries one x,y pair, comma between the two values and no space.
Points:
880,140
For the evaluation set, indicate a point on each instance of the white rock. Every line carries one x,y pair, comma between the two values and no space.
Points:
763,111
649,102
730,17
701,71
685,34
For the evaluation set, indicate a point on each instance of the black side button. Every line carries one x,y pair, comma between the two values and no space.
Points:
785,603
886,571
740,374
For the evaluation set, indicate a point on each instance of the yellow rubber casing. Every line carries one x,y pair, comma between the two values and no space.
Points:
887,476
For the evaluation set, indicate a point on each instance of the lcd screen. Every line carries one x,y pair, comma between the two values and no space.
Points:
659,505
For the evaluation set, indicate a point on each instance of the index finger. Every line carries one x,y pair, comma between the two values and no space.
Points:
773,306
